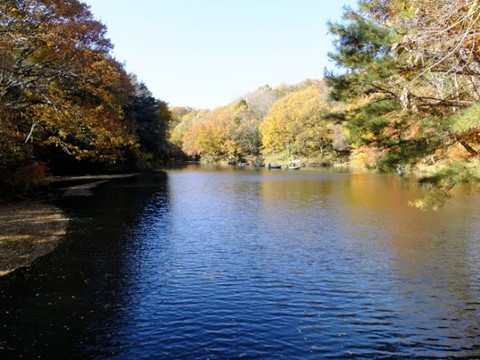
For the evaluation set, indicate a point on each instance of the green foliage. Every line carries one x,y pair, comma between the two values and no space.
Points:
466,120
150,119
363,49
409,81
368,123
445,178
361,42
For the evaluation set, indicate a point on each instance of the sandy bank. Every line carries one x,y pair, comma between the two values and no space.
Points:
28,230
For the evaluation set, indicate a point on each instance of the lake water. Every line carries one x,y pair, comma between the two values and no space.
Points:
202,263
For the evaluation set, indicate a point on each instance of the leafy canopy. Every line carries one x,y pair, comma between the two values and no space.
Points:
410,80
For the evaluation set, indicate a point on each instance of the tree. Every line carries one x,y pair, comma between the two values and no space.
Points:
410,77
234,132
59,86
225,133
261,100
150,120
296,124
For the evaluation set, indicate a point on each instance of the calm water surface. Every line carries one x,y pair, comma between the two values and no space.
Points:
224,264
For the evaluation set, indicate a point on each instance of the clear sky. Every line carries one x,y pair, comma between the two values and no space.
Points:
208,53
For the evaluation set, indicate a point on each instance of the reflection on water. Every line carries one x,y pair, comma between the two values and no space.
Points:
246,264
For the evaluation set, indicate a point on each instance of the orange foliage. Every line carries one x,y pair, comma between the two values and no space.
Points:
60,82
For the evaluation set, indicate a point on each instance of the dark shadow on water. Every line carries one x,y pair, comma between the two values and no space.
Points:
57,307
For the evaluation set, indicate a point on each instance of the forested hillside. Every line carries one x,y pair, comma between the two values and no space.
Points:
296,121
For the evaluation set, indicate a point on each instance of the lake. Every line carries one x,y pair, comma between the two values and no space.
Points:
207,263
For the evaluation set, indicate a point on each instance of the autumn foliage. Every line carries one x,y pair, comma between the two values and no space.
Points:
60,89
283,123
403,96
410,80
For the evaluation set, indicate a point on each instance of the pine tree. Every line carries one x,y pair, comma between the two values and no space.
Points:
409,78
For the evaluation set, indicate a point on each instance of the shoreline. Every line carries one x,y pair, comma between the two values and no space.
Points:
28,230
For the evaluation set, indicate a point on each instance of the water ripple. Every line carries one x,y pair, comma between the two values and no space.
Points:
226,265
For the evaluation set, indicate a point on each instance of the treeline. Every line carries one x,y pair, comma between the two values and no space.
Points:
65,103
404,97
281,124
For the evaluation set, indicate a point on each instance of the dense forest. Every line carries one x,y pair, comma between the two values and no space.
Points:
281,124
403,96
66,104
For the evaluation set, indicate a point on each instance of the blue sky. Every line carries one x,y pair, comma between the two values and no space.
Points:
208,53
